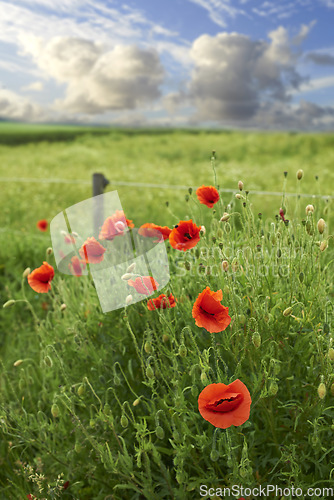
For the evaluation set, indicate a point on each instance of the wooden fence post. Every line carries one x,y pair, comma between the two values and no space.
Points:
99,183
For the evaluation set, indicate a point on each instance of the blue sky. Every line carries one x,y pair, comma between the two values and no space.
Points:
207,63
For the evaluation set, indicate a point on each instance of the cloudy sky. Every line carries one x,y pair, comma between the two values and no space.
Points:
210,63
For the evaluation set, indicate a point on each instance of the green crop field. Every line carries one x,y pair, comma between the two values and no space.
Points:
108,406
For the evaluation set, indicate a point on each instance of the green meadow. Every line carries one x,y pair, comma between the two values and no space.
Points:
105,406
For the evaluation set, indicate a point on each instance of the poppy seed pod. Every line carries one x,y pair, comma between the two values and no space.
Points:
124,421
322,390
309,209
321,225
300,174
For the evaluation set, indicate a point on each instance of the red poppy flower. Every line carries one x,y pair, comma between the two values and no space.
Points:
69,239
92,251
42,225
225,405
149,229
144,284
161,302
76,265
115,225
185,235
207,195
40,279
66,485
209,313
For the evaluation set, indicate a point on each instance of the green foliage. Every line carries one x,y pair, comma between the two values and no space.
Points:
108,402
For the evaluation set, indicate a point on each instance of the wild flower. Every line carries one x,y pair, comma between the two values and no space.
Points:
115,225
207,195
161,302
40,278
209,313
185,235
42,225
144,284
149,229
225,405
92,251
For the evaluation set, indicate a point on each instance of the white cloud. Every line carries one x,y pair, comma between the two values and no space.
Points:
35,86
317,84
237,81
219,10
15,107
98,79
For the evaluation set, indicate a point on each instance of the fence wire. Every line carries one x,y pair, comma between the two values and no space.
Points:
156,186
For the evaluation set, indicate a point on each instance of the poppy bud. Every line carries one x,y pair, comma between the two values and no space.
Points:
204,378
300,174
77,447
9,303
186,197
309,209
321,225
322,390
225,265
18,362
214,455
323,245
235,265
106,409
202,230
63,307
301,277
177,436
256,339
160,433
238,196
273,388
225,217
331,353
149,372
131,268
148,347
26,272
240,185
48,361
117,380
127,276
124,421
136,402
287,311
190,190
49,251
326,328
187,265
81,390
128,300
332,389
165,338
183,351
55,410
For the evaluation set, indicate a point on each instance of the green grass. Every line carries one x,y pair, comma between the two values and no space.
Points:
67,409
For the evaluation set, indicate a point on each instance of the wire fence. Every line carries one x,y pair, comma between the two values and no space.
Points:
155,186
38,180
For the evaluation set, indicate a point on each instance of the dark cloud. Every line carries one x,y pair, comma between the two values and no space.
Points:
320,58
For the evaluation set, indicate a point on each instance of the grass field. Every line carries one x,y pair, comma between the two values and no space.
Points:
105,406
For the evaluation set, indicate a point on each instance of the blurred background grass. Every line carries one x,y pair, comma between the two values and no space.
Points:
173,157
